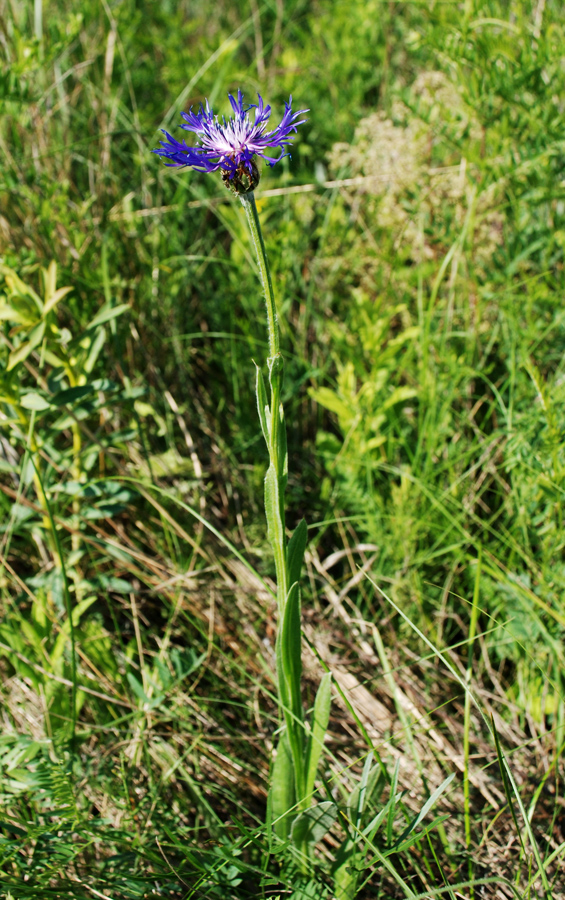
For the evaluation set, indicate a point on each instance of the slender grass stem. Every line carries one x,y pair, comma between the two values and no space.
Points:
467,720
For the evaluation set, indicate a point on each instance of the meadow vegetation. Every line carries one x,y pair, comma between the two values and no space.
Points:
416,240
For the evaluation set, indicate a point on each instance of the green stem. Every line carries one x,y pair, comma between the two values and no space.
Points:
289,635
250,208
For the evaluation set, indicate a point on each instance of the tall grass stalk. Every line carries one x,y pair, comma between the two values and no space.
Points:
467,719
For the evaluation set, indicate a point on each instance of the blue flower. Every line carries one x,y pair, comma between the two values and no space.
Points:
232,145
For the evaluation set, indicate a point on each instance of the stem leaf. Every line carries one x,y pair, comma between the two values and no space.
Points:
262,404
295,551
282,793
291,647
319,728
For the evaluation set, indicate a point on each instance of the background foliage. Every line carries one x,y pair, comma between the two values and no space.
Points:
416,240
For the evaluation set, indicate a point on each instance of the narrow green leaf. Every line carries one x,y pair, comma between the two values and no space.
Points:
272,511
392,807
282,794
364,786
311,825
262,403
373,826
36,334
425,809
106,313
55,298
368,791
509,783
318,732
295,551
415,836
289,664
19,355
291,643
282,449
95,349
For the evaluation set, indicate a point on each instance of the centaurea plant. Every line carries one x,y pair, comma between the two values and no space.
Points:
232,146
293,815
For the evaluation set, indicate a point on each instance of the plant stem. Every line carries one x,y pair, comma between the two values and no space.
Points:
250,208
289,633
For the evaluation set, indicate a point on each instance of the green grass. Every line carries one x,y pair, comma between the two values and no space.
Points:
416,240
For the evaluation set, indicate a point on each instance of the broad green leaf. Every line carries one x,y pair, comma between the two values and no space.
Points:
11,314
321,718
34,401
103,384
345,874
282,794
68,396
262,404
310,826
295,551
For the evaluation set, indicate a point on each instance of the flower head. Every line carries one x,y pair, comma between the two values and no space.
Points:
232,145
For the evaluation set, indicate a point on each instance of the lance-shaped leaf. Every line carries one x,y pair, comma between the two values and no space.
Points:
319,727
289,664
52,302
262,403
282,450
107,312
275,528
282,794
22,352
367,791
295,551
291,646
